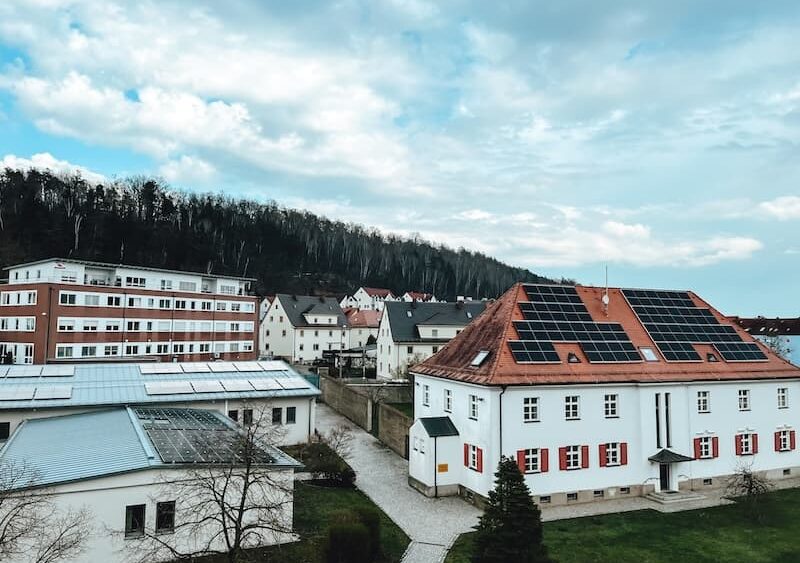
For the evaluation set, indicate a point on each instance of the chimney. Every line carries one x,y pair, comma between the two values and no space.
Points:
460,299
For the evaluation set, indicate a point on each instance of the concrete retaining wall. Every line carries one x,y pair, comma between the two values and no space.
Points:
347,401
393,428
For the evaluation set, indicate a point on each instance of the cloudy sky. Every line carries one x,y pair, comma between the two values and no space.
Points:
658,138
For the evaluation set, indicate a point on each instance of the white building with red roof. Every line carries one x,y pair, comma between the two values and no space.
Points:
601,393
371,298
410,296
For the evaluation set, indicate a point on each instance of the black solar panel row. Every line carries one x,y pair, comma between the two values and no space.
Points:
599,352
739,351
570,332
528,307
678,351
552,294
656,298
533,352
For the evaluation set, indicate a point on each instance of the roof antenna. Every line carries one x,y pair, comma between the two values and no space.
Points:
605,298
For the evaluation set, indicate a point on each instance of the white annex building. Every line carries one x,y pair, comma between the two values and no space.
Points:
130,470
601,393
298,328
412,331
368,298
235,389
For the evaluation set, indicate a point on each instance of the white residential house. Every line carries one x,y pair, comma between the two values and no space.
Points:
299,328
362,326
413,331
410,296
602,393
118,464
368,298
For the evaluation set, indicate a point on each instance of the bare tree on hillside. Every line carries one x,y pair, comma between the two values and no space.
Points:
32,528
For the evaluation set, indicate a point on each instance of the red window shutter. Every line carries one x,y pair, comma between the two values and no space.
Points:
777,439
755,443
544,461
562,458
697,448
791,439
480,460
584,457
466,455
623,453
738,442
715,446
601,451
521,460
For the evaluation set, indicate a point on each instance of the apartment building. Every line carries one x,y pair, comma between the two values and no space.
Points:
412,331
75,310
602,393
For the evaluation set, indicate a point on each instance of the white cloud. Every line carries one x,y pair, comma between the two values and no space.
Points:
46,161
188,170
782,208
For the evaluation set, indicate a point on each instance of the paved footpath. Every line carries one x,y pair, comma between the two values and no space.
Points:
432,524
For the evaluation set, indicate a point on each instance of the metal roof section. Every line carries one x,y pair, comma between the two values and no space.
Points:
404,317
95,444
439,426
296,306
141,384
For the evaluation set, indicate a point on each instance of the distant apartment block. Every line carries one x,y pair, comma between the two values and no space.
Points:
75,310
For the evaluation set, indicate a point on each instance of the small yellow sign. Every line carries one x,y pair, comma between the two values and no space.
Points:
441,468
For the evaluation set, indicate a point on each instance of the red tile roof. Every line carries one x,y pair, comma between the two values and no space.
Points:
419,296
378,292
363,318
761,326
494,328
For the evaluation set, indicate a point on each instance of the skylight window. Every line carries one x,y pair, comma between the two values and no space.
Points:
649,354
479,358
711,358
573,358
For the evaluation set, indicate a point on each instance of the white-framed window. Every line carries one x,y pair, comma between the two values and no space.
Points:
236,307
162,348
131,350
426,395
205,305
113,301
178,348
222,306
422,446
746,444
706,450
744,399
611,405
703,401
88,351
204,347
472,457
134,281
63,351
111,350
530,409
612,453
134,302
473,407
187,286
572,407
30,297
783,397
112,326
166,285
180,303
67,298
227,289
784,441
66,325
133,326
573,457
533,460
448,400
164,303
90,326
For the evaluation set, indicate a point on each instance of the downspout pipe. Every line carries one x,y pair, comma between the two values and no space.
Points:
435,469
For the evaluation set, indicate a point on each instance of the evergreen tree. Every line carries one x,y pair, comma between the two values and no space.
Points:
511,528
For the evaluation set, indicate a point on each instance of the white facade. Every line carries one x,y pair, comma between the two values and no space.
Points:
106,498
679,429
394,356
299,344
408,297
363,299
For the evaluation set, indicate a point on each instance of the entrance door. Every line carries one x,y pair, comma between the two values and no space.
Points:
664,471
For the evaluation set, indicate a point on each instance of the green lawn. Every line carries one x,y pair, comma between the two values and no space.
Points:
724,533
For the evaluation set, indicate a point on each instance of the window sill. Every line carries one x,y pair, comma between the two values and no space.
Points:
530,421
745,455
703,412
781,408
571,419
537,472
134,536
475,418
744,410
613,416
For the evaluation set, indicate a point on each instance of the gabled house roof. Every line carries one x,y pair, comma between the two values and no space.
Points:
296,306
482,353
419,296
89,445
378,292
404,317
363,318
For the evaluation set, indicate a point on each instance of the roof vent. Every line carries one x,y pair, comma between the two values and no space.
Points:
469,314
711,357
479,358
573,358
408,314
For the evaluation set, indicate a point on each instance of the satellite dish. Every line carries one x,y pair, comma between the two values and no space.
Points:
605,299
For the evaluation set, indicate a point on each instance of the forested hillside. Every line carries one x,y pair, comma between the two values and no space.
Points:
139,221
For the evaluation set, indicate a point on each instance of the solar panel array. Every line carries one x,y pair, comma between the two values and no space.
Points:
557,314
189,387
156,368
54,370
38,393
194,436
675,323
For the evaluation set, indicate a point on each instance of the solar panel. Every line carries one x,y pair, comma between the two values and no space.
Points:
740,351
675,324
57,371
610,352
3,371
195,367
159,368
168,388
247,366
24,371
53,392
552,294
220,367
207,386
16,393
293,383
265,384
236,385
273,365
533,352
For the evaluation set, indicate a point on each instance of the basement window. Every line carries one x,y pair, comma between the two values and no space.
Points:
545,499
572,497
624,490
649,354
708,481
479,358
599,494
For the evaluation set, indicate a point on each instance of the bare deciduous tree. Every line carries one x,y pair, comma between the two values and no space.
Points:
747,486
223,509
32,528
